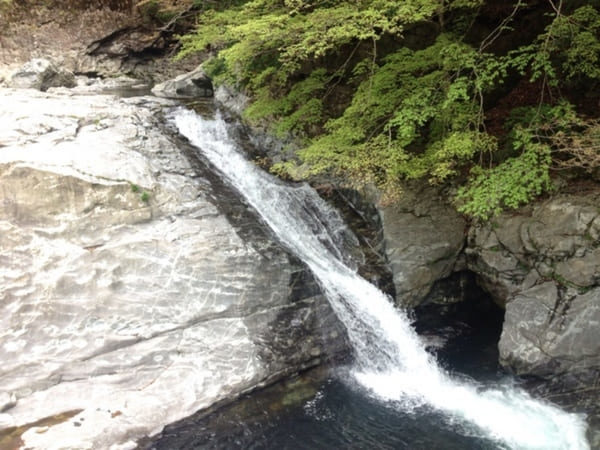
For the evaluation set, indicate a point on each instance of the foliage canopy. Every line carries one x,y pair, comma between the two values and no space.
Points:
382,91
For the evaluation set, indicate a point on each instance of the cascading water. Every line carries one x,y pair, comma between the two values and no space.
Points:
390,361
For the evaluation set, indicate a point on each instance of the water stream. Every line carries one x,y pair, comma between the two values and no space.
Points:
390,361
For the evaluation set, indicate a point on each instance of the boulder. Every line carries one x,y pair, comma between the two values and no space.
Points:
543,265
129,296
193,84
549,331
423,236
41,74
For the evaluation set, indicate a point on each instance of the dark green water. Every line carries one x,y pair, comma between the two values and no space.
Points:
324,409
336,416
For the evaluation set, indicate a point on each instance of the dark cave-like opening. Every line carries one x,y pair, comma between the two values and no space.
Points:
461,326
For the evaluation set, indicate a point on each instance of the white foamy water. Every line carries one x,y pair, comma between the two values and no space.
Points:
390,360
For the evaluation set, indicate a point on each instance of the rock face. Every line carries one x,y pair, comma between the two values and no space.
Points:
189,85
547,331
128,299
41,74
423,237
544,266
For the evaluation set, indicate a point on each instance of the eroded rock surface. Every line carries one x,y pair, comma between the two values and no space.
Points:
423,237
548,331
128,299
544,266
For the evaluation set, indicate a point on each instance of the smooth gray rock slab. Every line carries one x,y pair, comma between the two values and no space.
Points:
423,237
548,332
41,74
188,85
123,312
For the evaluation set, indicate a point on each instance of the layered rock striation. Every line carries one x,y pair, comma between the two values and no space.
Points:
129,297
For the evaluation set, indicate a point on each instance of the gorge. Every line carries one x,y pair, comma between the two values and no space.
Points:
155,280
390,361
122,298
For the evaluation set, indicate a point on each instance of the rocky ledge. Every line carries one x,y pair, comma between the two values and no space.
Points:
128,298
543,265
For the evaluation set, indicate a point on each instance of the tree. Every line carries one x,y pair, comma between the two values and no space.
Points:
372,102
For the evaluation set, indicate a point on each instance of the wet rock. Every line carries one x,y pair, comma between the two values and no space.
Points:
361,215
189,85
129,298
41,74
576,391
423,237
549,331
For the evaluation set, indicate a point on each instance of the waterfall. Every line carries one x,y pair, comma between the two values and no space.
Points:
390,360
